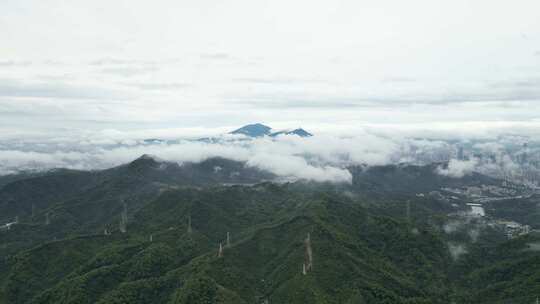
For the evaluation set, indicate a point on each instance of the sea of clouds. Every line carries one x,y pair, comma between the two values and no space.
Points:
317,158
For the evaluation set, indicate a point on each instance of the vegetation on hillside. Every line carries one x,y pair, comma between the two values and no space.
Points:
280,243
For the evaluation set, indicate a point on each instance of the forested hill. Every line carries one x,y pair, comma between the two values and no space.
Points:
221,232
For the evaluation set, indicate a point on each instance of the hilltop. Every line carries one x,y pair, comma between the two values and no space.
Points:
151,231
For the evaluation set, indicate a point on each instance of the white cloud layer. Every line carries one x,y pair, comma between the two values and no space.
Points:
83,82
319,158
315,158
458,168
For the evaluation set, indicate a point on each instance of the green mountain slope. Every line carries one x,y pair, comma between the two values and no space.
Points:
355,255
280,243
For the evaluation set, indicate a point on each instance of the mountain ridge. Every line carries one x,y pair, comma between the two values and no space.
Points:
363,246
260,130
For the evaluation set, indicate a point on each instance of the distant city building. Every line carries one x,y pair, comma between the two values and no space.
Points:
460,154
513,229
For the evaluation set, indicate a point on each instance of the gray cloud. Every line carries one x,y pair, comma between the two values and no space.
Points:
13,63
457,250
11,88
217,56
305,72
278,101
281,157
128,71
398,79
457,168
508,92
523,83
117,61
278,81
161,85
319,158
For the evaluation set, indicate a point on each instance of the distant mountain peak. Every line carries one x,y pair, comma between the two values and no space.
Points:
147,156
253,130
145,160
259,130
299,132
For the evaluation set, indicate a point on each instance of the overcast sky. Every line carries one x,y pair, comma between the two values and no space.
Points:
155,68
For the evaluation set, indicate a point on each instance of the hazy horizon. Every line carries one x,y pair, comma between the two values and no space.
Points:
83,84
